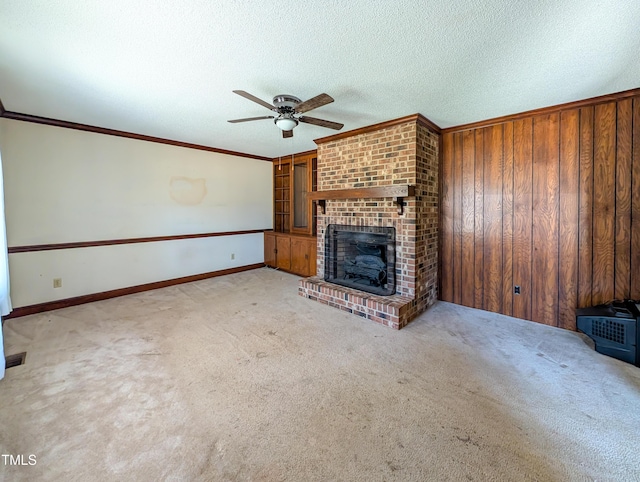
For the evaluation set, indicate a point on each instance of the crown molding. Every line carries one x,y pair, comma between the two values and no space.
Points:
545,110
113,132
295,154
418,118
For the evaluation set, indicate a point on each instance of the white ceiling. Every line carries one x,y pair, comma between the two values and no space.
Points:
167,68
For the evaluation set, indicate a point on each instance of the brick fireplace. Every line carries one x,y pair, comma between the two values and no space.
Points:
402,156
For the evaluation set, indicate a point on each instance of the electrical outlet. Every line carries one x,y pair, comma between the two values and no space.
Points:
516,290
233,256
57,282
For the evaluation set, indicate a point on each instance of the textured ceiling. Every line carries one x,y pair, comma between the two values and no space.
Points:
167,68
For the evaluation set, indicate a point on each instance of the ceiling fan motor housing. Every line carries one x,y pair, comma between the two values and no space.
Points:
285,103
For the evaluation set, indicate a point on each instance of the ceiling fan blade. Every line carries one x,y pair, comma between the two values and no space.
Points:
314,103
321,122
246,119
247,95
286,134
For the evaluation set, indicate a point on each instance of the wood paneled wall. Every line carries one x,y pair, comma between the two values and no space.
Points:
549,202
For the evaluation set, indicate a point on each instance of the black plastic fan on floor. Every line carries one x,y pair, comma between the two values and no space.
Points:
288,110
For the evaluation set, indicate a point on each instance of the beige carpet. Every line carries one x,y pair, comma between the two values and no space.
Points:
239,378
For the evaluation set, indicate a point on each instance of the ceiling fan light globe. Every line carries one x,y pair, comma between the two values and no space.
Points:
286,123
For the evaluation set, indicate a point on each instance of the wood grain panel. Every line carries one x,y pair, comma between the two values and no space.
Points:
635,204
478,294
569,187
493,147
457,217
624,128
468,173
446,222
507,221
550,203
585,222
544,307
522,215
604,203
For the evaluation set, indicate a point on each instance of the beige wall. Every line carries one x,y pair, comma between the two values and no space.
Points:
63,185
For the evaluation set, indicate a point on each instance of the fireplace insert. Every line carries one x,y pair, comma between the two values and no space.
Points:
361,257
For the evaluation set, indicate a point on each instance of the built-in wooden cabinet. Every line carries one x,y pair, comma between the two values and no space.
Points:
293,179
292,245
290,252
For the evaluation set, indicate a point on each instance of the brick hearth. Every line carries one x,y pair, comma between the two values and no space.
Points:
405,153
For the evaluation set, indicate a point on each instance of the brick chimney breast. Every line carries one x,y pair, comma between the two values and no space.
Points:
397,153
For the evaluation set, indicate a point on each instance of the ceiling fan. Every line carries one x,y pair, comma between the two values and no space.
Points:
288,109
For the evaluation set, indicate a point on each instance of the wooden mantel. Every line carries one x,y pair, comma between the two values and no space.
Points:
398,192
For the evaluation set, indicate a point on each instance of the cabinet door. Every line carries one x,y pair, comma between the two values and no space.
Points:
313,256
301,176
283,252
270,249
302,220
299,256
303,260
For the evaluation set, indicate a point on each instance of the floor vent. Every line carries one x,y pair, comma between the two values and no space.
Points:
15,360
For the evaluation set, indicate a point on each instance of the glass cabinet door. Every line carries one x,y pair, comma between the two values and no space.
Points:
293,180
300,190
